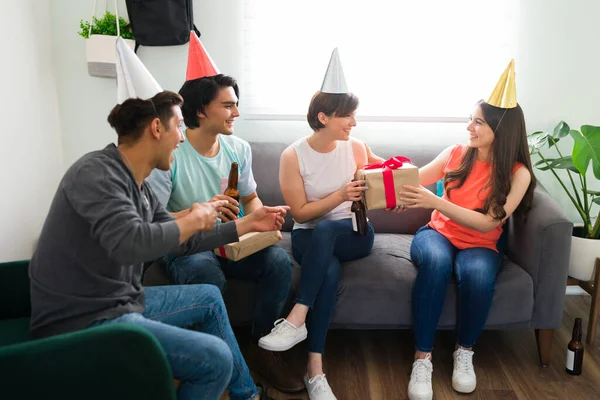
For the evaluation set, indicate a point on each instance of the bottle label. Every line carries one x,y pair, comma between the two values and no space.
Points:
570,360
354,225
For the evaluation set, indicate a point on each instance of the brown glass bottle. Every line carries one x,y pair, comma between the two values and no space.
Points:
574,362
232,183
359,217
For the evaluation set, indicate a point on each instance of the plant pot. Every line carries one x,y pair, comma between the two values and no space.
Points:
583,257
101,55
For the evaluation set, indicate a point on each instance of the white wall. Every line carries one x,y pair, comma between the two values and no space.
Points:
555,76
558,76
31,150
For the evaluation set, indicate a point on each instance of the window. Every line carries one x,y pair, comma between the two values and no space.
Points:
405,59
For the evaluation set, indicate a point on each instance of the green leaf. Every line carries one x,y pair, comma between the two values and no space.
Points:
561,130
587,148
596,200
556,163
536,140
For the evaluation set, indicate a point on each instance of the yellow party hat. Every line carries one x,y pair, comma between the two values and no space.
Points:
505,92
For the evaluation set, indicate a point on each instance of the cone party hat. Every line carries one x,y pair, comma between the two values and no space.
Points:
334,81
199,63
505,92
133,78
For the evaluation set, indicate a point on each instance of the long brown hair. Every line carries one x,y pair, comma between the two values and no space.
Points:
509,147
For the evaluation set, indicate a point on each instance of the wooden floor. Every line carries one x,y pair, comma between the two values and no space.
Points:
376,365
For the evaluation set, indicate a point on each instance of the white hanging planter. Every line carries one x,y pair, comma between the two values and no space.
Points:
101,55
100,50
583,258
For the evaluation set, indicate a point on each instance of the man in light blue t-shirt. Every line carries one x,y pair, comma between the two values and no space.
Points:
199,174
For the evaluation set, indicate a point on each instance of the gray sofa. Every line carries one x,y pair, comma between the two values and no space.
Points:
375,292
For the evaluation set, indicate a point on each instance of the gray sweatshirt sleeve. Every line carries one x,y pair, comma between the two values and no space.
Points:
103,199
205,241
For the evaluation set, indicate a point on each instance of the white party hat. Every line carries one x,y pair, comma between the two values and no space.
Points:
334,81
133,78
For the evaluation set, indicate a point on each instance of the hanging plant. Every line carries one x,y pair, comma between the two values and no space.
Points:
105,26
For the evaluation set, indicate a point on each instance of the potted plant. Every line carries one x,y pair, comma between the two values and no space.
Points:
101,35
585,246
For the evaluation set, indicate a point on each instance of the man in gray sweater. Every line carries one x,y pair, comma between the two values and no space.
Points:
105,222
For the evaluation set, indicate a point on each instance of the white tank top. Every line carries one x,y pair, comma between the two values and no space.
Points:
324,174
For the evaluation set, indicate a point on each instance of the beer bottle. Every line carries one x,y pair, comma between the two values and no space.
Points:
359,217
232,183
575,350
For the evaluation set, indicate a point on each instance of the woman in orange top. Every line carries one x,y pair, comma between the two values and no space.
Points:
485,182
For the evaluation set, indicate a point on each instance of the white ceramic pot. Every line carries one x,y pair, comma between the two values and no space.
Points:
100,53
583,258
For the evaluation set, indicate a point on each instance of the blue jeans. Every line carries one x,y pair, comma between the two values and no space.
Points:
319,252
475,269
207,359
270,269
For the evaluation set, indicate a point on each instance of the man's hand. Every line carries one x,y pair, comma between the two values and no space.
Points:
229,211
201,217
205,215
263,219
181,214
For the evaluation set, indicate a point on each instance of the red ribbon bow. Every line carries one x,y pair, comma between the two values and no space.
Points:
388,176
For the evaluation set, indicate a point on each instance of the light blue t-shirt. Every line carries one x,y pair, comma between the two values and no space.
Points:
196,179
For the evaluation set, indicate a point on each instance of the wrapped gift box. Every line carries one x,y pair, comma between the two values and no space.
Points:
249,244
385,180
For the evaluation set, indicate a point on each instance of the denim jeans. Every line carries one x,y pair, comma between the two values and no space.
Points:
319,252
207,359
270,269
475,270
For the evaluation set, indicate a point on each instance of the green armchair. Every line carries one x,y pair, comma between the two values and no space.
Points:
118,361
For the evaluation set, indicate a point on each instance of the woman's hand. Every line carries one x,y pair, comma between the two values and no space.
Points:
352,191
419,197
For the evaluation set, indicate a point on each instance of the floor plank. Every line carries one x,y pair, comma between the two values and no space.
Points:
376,365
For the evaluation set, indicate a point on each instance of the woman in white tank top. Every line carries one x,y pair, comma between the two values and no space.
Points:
315,178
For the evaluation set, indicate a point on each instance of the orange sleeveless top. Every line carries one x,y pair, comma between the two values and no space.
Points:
471,195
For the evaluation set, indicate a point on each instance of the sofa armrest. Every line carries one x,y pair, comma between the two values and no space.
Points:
541,245
115,361
14,290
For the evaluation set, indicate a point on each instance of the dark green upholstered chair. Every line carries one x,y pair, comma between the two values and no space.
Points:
118,361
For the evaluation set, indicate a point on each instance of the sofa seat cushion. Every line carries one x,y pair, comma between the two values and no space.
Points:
13,331
375,292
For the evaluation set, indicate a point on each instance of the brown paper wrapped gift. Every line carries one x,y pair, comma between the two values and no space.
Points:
249,243
385,180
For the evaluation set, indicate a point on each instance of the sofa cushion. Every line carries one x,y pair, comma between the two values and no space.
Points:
375,292
13,331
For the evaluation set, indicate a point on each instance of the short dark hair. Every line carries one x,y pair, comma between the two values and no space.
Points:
198,93
331,104
131,117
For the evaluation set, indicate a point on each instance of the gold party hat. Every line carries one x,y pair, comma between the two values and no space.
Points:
505,92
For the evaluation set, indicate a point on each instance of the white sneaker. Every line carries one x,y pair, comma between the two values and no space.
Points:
283,337
419,387
318,388
463,376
